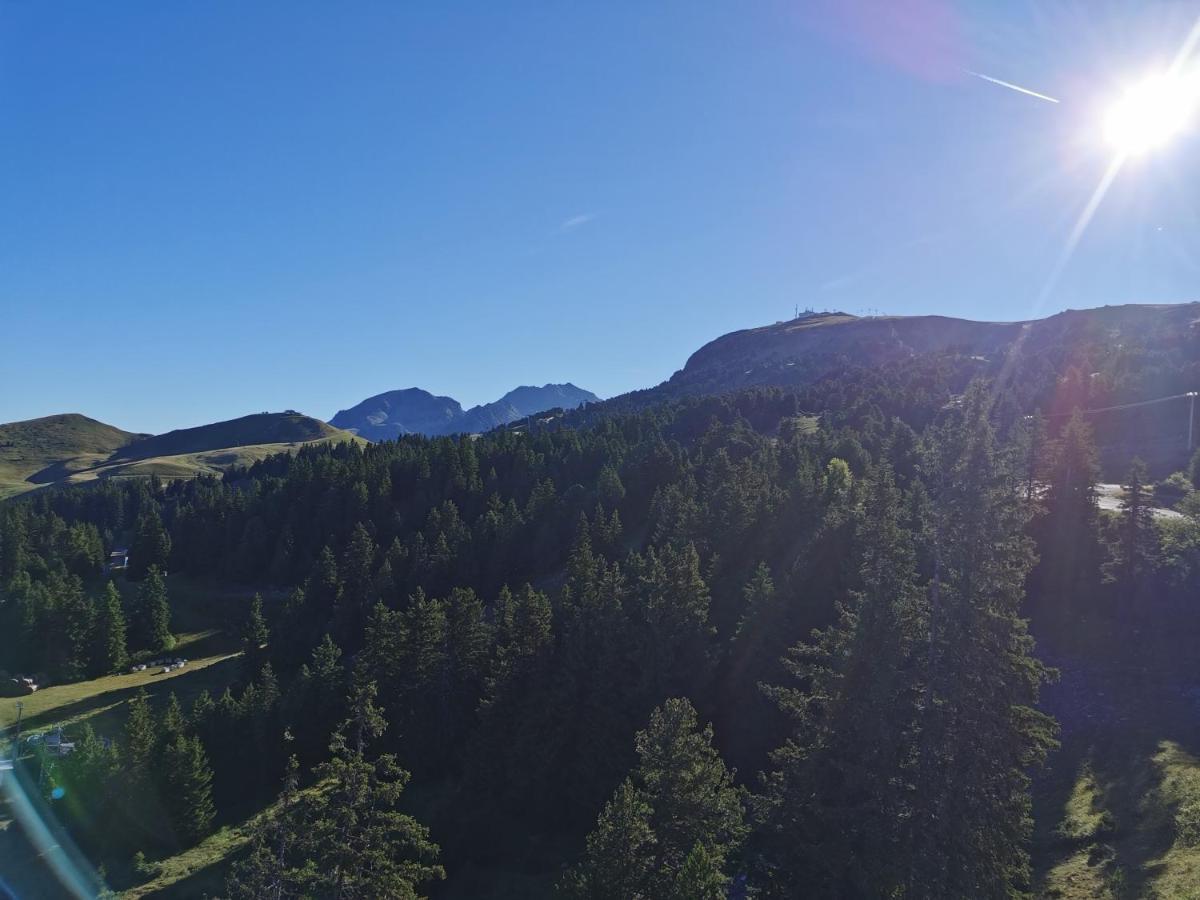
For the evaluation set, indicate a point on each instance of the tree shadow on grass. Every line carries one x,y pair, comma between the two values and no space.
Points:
1119,713
187,686
206,881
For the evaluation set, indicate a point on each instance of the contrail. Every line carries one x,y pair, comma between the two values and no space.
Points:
1012,87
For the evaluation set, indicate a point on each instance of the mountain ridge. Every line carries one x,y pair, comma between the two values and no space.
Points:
417,411
800,350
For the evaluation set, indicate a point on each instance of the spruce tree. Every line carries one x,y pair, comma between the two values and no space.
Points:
187,788
680,797
700,877
272,870
139,758
141,738
514,747
255,635
979,731
1134,550
357,570
72,618
1068,572
109,654
348,839
316,699
150,619
619,860
834,810
151,547
173,721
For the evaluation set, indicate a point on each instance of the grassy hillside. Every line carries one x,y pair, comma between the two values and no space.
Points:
261,428
1118,810
73,449
28,447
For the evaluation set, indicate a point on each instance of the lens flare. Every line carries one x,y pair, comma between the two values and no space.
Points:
1151,113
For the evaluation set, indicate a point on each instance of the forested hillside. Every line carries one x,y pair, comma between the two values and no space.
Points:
771,641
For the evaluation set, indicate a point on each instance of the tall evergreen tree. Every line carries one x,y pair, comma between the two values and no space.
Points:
1068,535
835,809
109,653
679,797
151,547
187,788
141,738
356,575
347,840
979,729
255,635
316,699
272,871
150,618
1134,550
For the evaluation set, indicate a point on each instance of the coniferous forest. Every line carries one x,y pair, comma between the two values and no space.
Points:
774,643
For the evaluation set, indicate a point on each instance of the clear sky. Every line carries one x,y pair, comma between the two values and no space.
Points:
215,208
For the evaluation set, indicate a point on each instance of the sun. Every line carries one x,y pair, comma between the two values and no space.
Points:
1151,112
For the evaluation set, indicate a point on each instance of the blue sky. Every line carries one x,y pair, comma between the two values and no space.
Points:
215,208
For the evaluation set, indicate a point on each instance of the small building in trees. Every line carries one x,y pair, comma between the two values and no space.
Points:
118,560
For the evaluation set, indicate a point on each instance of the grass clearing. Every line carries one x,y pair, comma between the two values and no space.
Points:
1117,813
204,620
198,871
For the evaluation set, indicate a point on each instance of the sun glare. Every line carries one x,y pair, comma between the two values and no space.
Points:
1150,113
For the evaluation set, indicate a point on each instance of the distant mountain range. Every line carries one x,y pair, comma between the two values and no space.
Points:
415,411
1134,352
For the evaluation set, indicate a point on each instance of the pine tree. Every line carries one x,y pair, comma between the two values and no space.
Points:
271,871
89,777
1134,551
591,705
316,699
513,749
109,654
679,797
150,619
356,570
73,616
141,738
173,721
151,547
255,635
979,730
749,719
347,840
187,788
1031,440
1068,535
619,861
834,810
672,634
700,877
139,758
